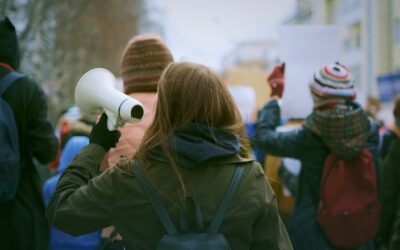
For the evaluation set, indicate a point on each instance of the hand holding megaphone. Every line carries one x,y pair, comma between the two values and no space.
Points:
97,89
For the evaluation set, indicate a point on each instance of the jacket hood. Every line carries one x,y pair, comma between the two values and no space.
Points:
71,149
197,143
343,130
9,48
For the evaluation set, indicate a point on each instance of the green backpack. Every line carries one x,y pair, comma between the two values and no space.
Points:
208,239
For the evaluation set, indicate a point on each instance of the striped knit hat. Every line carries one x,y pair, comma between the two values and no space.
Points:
143,60
332,85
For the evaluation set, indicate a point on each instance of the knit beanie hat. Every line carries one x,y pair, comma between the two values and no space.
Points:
332,85
9,48
143,60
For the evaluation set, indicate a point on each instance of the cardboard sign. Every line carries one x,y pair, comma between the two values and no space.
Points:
304,49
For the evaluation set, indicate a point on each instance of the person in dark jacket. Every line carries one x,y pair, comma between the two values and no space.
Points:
390,191
389,230
393,132
337,124
395,240
189,152
23,222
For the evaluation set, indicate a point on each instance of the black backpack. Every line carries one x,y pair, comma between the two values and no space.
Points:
10,167
200,238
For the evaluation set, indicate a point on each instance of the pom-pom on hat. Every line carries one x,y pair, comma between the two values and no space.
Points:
143,61
332,85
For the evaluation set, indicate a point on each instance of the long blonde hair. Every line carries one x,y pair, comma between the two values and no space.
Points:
188,93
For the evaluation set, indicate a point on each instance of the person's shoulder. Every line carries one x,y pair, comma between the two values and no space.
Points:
306,136
119,175
257,183
27,84
122,167
255,167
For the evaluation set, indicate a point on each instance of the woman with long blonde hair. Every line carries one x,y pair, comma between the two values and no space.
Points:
189,155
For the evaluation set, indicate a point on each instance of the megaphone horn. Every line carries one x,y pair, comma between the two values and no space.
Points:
96,89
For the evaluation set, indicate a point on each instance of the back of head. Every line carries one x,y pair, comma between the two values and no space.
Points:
9,49
143,61
192,93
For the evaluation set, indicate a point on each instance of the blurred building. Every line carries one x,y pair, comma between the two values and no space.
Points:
370,36
259,55
248,65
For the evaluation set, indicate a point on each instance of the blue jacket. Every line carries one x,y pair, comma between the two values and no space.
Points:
58,239
304,230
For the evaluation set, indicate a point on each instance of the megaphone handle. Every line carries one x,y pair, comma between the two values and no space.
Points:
111,120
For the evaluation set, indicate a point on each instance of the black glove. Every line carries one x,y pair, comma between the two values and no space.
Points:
103,137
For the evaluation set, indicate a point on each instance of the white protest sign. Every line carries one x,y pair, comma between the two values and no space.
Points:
305,48
245,99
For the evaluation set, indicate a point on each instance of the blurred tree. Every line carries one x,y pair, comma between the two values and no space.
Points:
61,40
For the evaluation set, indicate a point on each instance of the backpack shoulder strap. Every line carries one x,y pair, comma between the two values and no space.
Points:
8,79
233,186
154,199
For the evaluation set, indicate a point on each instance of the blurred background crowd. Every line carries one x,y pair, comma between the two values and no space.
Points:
62,40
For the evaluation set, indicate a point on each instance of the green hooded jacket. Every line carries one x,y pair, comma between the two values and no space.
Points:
86,201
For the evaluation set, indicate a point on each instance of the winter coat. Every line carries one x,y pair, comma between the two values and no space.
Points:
22,219
58,239
310,148
23,223
390,195
132,133
86,201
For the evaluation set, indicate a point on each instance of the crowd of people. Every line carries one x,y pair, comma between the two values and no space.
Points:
192,174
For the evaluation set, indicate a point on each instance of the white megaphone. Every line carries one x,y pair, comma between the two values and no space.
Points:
97,89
